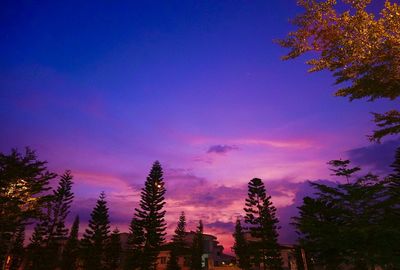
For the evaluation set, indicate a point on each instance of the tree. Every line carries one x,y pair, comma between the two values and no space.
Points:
197,249
263,226
96,237
60,205
71,249
340,168
178,243
361,49
17,252
135,245
36,249
179,238
151,216
57,211
23,182
349,224
52,224
393,214
114,250
240,247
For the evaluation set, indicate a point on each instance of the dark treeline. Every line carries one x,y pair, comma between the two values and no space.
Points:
26,199
354,224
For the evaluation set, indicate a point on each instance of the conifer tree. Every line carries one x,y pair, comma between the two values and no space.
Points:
114,250
151,216
263,225
61,203
58,210
71,250
135,245
180,234
178,243
240,247
96,237
36,250
17,251
197,249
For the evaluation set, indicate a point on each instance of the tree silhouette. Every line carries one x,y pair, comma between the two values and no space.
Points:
17,251
23,182
263,226
178,243
240,247
71,250
151,216
96,237
134,246
197,248
351,224
36,250
56,232
114,250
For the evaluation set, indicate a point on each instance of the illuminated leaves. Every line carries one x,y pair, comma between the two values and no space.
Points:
361,49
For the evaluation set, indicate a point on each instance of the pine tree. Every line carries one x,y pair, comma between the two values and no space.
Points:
197,249
96,237
17,250
71,250
114,250
61,204
151,216
36,250
180,234
240,247
263,225
178,243
58,210
135,245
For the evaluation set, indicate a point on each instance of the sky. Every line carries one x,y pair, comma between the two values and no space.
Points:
105,88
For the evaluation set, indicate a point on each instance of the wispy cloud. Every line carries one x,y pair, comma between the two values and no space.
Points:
275,143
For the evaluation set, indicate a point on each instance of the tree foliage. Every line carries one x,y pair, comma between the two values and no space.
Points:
150,215
348,224
17,252
96,237
51,225
362,50
240,247
23,184
70,253
196,262
114,249
178,245
134,246
263,225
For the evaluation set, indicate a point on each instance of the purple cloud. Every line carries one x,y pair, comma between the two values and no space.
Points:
376,157
221,149
227,227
